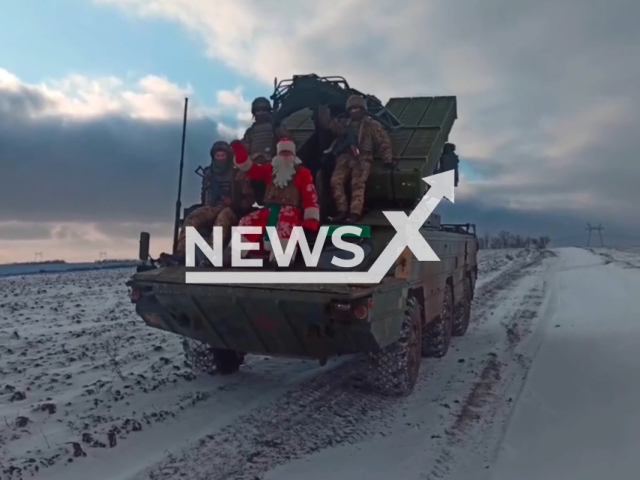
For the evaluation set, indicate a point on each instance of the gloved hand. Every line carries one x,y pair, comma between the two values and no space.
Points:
241,155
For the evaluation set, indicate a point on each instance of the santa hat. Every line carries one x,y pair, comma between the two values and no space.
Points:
286,145
240,155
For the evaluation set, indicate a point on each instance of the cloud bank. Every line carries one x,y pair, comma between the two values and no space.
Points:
547,99
548,102
99,160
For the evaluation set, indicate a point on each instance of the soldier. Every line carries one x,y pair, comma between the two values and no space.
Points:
358,137
449,160
226,196
261,137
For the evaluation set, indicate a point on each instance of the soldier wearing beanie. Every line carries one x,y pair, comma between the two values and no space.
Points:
226,195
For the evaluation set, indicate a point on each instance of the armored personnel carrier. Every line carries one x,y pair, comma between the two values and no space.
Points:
412,313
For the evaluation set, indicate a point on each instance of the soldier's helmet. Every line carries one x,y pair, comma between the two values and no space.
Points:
448,148
220,145
260,102
356,101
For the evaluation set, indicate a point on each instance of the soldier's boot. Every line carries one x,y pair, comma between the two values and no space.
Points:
339,218
353,217
180,257
169,260
165,260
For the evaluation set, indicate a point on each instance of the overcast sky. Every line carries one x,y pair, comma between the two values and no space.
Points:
91,100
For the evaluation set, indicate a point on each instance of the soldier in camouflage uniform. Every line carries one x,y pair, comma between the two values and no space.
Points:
226,196
358,137
449,161
262,136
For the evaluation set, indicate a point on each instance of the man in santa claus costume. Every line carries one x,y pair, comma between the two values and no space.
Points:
290,199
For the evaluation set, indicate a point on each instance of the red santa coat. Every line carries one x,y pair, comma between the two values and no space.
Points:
297,201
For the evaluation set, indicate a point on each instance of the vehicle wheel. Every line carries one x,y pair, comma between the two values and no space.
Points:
437,338
227,361
206,359
393,371
199,356
462,313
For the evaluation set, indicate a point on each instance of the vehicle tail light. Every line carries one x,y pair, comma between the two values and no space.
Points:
135,295
361,310
345,311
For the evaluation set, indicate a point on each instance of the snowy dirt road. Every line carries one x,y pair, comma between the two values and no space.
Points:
555,398
578,416
86,387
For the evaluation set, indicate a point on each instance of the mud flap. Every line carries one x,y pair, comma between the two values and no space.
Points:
403,264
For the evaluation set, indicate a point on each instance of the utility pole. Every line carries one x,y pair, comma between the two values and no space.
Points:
598,229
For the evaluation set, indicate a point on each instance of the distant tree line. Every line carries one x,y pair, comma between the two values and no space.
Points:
506,239
39,262
116,260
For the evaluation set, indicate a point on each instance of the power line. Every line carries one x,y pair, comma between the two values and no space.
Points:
598,229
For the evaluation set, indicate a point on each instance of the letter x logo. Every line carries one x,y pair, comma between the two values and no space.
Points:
408,227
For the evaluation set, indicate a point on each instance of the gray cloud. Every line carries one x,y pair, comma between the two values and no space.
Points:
565,228
22,103
549,111
133,229
555,80
24,231
109,169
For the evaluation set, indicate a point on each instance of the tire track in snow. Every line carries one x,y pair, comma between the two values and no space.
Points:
77,366
471,438
324,412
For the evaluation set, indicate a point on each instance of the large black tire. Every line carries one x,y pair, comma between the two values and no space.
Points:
437,337
227,361
206,359
462,314
393,371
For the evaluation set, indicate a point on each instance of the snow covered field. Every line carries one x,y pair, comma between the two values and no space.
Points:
544,384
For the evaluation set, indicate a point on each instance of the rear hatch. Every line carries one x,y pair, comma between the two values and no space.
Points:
311,320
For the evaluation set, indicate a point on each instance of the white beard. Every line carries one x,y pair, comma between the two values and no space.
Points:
283,171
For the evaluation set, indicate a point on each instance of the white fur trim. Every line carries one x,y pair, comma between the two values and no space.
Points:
244,166
311,213
287,145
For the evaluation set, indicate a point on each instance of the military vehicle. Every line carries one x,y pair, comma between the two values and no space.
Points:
412,313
